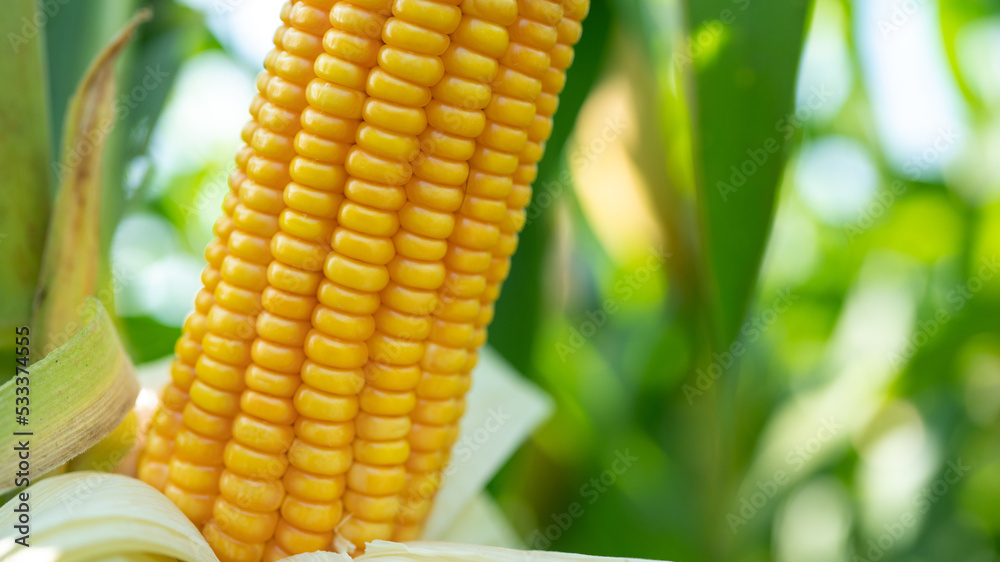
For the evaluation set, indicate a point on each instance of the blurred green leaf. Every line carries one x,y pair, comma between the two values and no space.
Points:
157,339
662,152
745,56
663,157
956,14
24,158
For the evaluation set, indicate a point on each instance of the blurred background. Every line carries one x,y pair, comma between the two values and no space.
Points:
759,276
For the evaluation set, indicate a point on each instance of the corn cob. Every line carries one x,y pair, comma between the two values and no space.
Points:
456,332
347,312
199,451
153,466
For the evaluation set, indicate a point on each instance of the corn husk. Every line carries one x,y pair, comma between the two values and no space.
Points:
82,516
90,516
78,394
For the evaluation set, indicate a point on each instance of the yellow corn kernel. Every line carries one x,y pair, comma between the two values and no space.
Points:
292,539
197,507
309,515
230,549
273,553
241,524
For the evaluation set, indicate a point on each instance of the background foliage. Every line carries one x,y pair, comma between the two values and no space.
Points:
760,264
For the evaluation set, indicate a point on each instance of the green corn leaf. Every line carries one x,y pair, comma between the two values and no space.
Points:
24,159
744,56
